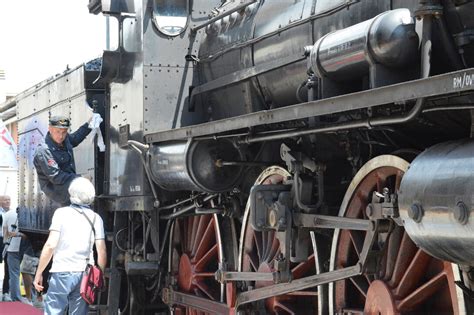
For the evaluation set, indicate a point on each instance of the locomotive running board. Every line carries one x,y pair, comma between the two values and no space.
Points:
444,84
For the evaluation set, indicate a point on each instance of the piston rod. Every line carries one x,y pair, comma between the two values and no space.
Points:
297,285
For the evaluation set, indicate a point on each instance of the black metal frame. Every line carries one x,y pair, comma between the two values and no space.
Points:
440,85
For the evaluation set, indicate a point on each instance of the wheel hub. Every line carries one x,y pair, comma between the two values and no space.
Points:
380,299
185,276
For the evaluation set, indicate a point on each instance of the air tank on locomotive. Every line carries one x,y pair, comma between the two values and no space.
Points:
196,165
389,39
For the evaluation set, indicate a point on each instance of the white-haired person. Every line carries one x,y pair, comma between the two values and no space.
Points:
69,244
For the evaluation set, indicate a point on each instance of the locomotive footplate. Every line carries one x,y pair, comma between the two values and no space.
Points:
435,86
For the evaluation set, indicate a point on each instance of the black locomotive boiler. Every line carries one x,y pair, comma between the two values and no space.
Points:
275,157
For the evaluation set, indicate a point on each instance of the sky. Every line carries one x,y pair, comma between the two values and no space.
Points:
39,38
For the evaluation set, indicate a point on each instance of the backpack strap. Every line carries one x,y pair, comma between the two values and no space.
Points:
77,207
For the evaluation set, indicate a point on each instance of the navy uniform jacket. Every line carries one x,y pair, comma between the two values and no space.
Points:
55,164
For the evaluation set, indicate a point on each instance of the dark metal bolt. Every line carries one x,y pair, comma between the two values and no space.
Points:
461,213
415,212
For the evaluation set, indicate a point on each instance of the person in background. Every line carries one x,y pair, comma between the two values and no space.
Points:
69,244
2,211
54,159
28,268
13,236
4,204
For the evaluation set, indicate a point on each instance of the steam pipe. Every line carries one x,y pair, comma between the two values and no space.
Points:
180,202
184,210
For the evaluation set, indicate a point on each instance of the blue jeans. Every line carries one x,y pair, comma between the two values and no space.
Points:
63,291
14,260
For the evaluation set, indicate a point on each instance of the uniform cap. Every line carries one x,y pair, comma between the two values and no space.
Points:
59,121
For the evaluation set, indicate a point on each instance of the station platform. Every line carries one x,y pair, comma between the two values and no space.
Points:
18,308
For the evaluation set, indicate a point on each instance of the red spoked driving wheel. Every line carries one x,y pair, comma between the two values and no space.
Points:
408,281
197,248
258,252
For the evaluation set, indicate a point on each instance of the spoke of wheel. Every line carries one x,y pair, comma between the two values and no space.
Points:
413,274
275,249
357,240
252,259
405,254
265,236
257,238
392,251
201,227
283,307
206,258
357,206
422,293
204,288
303,268
268,245
361,284
206,240
201,275
194,227
189,238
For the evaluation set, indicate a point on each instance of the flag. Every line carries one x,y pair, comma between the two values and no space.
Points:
7,148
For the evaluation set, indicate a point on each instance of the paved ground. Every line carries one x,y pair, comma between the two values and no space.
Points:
18,308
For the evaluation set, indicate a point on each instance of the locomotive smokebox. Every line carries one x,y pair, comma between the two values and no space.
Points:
436,201
388,39
194,165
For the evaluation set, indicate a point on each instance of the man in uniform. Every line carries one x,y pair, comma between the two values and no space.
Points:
54,159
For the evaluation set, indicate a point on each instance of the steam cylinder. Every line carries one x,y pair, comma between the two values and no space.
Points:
388,39
191,165
436,201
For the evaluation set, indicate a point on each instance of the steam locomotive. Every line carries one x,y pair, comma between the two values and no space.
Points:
274,157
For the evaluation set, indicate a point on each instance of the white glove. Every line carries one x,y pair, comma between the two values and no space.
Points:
95,122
